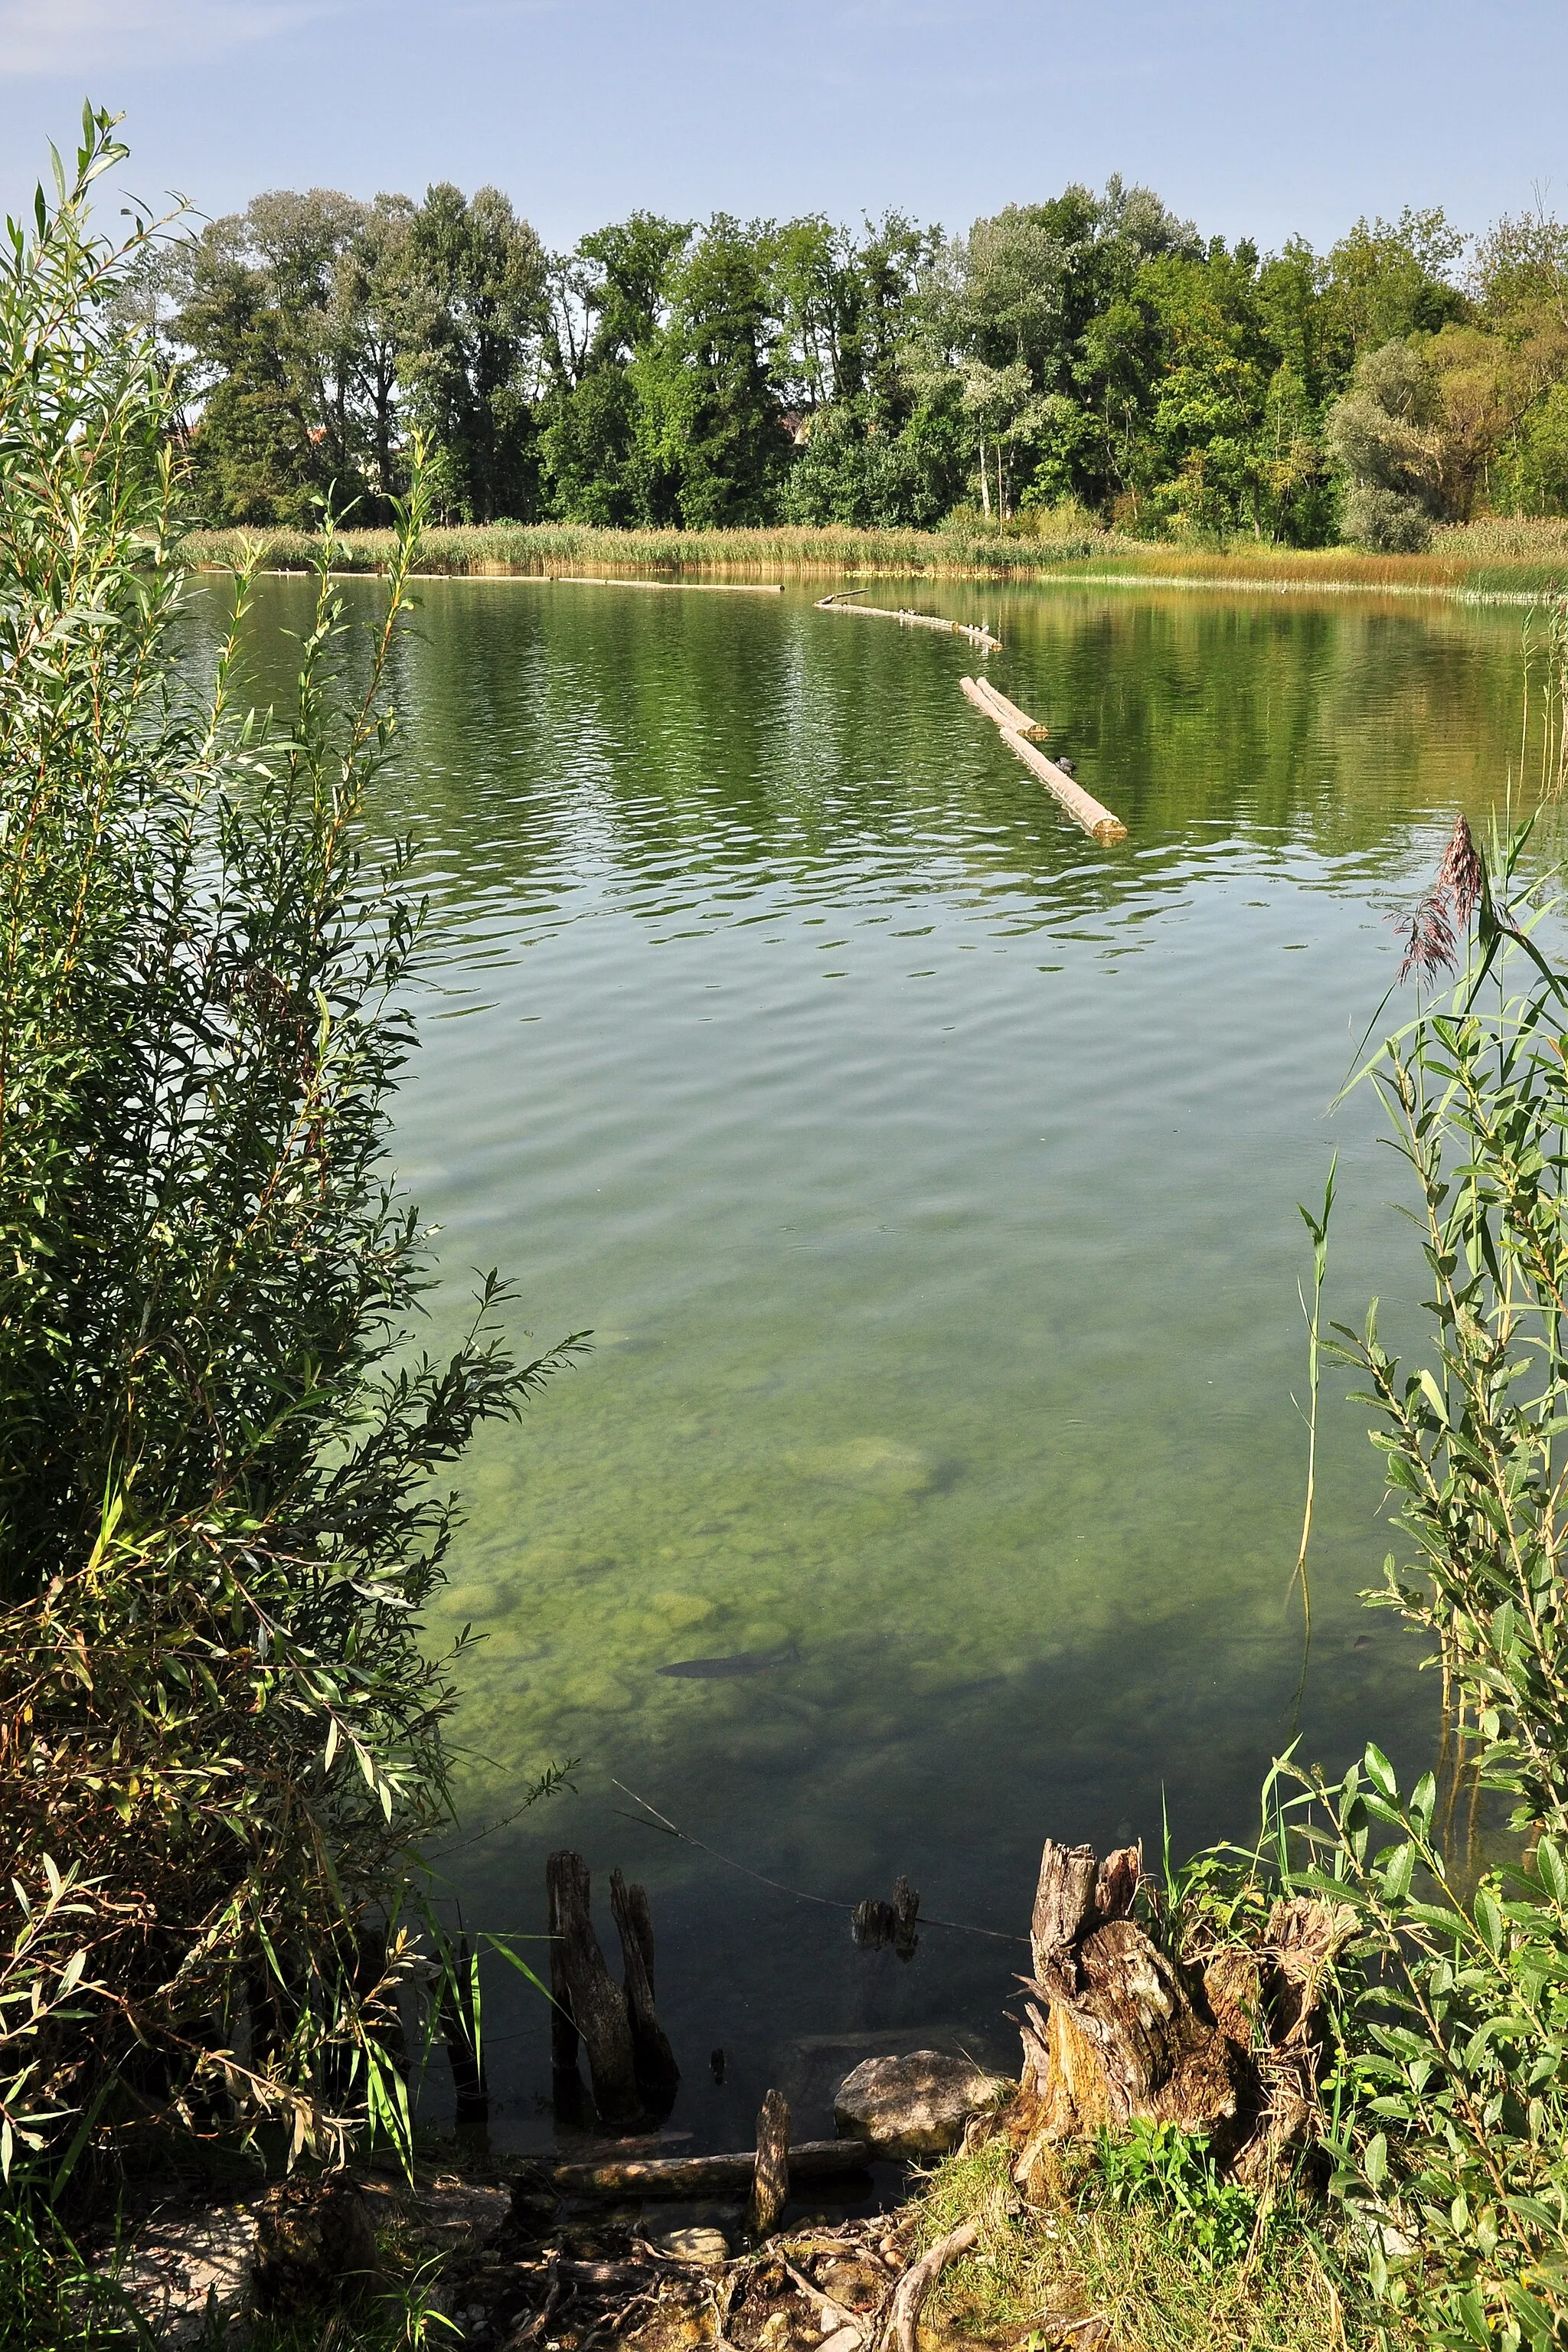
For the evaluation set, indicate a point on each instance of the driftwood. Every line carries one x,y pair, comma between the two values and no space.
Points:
770,2171
597,2004
712,587
653,2059
981,637
918,2280
725,2175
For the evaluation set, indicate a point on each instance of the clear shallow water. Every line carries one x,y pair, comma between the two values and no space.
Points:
928,1174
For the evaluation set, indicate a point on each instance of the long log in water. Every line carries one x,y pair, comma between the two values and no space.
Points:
700,2176
1081,807
908,620
1007,714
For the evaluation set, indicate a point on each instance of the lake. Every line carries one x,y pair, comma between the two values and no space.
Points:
927,1174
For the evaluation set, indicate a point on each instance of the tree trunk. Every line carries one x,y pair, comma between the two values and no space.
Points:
1117,2032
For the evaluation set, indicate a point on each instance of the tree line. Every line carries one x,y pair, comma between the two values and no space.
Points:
1092,353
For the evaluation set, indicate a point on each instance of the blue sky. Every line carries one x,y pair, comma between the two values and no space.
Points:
1260,119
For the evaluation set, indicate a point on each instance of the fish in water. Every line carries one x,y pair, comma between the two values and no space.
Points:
745,1662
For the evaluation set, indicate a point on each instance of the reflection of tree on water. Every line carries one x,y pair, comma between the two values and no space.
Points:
930,1175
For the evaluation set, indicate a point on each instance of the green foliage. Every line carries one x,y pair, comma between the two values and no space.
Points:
1154,2271
1451,2102
1093,349
1173,2171
220,1737
49,2297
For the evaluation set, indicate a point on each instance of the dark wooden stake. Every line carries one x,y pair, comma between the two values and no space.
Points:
906,1911
598,2005
770,2176
652,2056
562,2029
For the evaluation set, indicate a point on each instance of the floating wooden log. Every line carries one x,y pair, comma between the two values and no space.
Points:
770,2170
598,2006
1007,714
1081,807
656,2072
908,620
726,2175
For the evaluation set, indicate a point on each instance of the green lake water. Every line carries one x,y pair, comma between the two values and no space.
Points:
927,1173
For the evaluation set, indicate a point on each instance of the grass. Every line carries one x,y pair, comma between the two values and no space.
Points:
1501,557
1139,2267
51,2300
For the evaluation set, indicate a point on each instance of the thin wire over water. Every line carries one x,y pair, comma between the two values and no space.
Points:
827,1902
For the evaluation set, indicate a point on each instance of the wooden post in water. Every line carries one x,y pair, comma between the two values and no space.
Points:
598,2006
770,2176
656,2070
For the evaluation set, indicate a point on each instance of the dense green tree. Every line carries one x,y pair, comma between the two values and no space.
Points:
269,327
477,310
711,438
1090,351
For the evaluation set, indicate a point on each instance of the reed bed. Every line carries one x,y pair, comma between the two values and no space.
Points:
1506,557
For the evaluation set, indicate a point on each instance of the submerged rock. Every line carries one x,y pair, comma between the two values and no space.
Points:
876,1466
916,2106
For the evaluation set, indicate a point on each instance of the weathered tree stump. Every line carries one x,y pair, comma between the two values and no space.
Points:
315,2248
597,2005
770,2178
1230,2044
874,1923
652,2057
1119,2034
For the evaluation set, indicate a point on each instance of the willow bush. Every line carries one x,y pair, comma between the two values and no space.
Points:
220,1499
1450,2122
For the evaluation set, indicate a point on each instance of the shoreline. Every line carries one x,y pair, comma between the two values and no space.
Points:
1471,568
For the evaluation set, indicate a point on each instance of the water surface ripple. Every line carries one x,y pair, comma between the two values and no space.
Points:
928,1174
